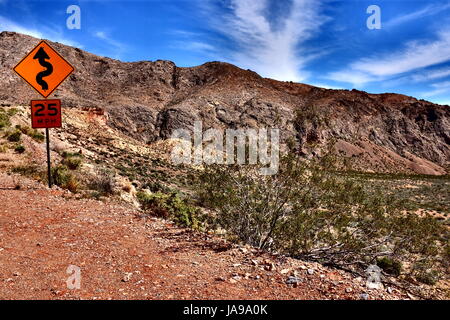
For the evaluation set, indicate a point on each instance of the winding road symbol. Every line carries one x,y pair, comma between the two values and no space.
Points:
44,69
41,56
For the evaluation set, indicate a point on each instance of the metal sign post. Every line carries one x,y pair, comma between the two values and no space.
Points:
49,170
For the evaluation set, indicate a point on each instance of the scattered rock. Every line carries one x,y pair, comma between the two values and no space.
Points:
127,276
364,296
284,271
310,271
293,280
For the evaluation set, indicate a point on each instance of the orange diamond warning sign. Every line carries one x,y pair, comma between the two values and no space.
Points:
44,69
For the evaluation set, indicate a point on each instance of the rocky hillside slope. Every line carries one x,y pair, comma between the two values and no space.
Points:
147,100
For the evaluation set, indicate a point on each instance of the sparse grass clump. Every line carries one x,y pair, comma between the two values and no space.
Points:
14,136
19,149
390,266
171,206
102,182
73,163
4,119
32,171
33,133
61,176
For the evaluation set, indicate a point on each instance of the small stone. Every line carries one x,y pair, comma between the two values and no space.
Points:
269,267
232,281
389,290
127,276
255,262
293,280
220,279
348,290
284,271
364,296
236,265
310,271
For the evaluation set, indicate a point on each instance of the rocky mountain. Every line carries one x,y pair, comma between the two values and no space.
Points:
147,100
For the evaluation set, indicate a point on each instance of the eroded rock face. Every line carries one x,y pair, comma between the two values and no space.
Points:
148,100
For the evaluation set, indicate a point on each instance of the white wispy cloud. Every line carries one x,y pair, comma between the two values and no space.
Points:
274,51
116,47
8,25
414,56
430,75
53,35
438,89
424,12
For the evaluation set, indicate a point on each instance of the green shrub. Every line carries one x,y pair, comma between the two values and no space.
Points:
390,266
33,133
171,206
61,176
19,149
15,136
73,163
37,136
67,154
430,277
310,211
13,111
102,182
32,171
4,119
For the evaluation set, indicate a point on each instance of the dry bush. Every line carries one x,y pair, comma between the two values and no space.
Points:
310,211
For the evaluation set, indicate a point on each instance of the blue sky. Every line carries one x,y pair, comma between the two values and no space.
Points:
321,42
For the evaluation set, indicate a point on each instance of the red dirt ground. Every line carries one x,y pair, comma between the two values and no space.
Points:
123,256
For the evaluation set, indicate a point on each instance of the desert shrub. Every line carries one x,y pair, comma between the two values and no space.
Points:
127,187
424,272
310,211
14,136
390,266
156,186
13,111
19,149
4,119
66,154
73,163
34,134
171,206
61,176
102,181
32,171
